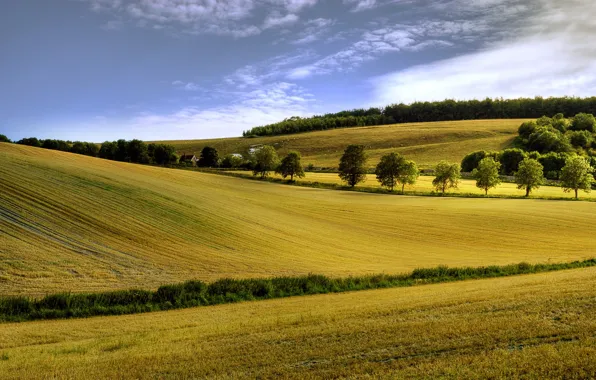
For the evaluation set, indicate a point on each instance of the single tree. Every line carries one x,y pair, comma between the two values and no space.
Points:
209,157
352,165
3,138
408,174
291,166
530,175
487,174
446,176
231,161
266,160
577,175
388,169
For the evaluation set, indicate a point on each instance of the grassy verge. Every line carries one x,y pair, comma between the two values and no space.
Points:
379,190
197,293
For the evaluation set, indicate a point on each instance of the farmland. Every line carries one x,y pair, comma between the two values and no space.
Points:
424,185
75,223
536,325
425,143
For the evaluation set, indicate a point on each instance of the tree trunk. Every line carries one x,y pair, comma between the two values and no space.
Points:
575,193
486,191
402,187
292,177
527,191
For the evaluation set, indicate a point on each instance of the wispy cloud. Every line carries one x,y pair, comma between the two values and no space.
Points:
549,56
188,86
268,104
236,18
276,20
361,5
313,30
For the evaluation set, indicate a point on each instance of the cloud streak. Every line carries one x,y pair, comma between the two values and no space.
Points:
550,57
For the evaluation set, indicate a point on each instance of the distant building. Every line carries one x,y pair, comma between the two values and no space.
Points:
189,158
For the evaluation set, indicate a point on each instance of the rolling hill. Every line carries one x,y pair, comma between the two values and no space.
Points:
75,223
425,143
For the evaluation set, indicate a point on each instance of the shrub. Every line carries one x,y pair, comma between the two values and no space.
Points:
583,122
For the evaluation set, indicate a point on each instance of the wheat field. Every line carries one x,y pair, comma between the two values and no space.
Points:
534,326
75,223
425,143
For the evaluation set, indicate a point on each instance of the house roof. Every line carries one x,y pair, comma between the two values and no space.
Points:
186,157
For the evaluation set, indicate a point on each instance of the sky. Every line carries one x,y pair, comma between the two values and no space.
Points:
97,70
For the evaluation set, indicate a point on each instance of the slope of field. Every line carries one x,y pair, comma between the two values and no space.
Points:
535,326
424,184
425,143
76,223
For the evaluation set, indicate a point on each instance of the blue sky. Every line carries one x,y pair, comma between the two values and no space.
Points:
100,70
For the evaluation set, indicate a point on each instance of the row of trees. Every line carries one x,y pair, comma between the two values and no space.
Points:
522,108
393,169
135,151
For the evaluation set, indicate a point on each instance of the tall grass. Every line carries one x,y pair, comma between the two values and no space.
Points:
197,293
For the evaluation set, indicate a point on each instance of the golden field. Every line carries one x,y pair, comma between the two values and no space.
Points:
424,185
75,223
534,326
425,143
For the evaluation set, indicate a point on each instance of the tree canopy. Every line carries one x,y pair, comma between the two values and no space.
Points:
394,169
487,174
529,176
209,157
266,160
291,166
446,176
577,175
352,165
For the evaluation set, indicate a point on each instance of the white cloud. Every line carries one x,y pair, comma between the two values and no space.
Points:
266,105
187,86
361,5
223,17
276,20
550,56
313,30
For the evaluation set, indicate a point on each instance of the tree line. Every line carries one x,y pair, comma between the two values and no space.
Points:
395,170
135,151
447,110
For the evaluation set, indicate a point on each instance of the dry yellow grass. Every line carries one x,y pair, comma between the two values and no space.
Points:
425,143
536,326
75,223
424,184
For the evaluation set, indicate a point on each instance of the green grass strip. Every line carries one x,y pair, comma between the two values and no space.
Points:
197,293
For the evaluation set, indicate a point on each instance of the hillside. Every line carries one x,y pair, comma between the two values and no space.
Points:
425,143
536,326
71,222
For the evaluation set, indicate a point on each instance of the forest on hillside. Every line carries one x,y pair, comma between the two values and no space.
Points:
446,110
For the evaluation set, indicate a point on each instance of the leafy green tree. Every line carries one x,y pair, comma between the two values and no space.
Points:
471,160
487,174
291,166
231,161
108,150
388,169
163,154
447,176
209,158
266,160
581,139
583,122
5,139
352,165
31,141
526,129
577,175
408,174
121,151
552,164
529,176
510,159
137,152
